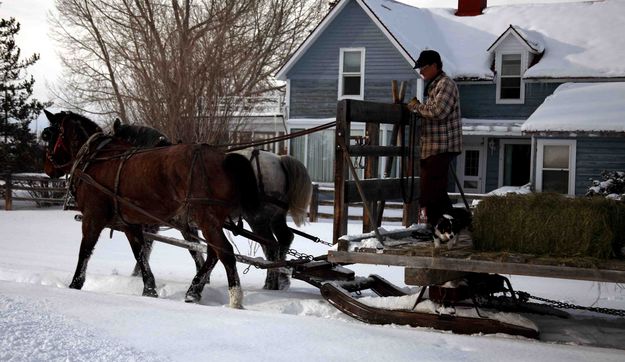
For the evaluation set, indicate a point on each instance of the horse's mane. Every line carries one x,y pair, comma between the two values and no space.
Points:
89,125
141,136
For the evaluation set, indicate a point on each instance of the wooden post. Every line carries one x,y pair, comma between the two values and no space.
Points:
340,170
371,171
8,197
313,209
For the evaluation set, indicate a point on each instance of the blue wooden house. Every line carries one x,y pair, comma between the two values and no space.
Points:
505,59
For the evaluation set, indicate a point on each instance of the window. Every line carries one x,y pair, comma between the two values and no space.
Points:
555,171
510,86
351,73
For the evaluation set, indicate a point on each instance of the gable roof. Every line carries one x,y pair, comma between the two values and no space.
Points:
581,107
532,44
580,40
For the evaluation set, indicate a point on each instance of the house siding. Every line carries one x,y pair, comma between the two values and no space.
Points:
478,101
314,85
595,155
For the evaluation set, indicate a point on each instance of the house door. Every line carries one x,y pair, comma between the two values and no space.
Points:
470,169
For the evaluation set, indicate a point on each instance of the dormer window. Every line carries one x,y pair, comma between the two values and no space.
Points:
510,86
512,52
352,73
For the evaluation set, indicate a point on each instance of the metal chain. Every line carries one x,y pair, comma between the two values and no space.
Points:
299,255
563,305
319,241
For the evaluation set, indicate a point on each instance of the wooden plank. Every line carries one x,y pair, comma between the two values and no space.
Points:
413,276
480,266
342,132
371,172
374,112
365,150
378,189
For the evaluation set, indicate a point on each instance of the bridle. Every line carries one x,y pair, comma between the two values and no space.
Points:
48,135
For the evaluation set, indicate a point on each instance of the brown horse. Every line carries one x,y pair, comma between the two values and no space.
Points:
121,187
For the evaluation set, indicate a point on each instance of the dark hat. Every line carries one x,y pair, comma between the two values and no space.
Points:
428,57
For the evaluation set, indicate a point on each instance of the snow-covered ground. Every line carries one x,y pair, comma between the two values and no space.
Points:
42,320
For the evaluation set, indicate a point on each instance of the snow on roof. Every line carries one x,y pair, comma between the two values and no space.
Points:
579,39
582,39
581,107
491,127
531,39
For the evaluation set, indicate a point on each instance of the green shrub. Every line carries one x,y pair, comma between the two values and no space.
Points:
550,224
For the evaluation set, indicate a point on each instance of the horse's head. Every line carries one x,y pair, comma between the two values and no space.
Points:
66,134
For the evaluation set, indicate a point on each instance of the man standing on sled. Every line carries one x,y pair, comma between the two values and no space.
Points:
441,134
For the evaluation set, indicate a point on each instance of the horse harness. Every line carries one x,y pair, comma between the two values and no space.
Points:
86,157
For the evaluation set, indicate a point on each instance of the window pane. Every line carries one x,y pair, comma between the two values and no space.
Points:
471,163
510,88
351,62
351,86
511,64
556,181
320,156
556,157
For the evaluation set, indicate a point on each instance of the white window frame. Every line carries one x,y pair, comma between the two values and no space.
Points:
360,96
502,147
498,64
540,149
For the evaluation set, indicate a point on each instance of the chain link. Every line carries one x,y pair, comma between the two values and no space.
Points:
563,305
298,255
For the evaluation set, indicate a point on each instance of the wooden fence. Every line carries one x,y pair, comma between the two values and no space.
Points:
322,206
41,190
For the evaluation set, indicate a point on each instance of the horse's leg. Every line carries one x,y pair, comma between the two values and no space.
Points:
194,293
190,234
262,227
147,248
217,240
284,235
91,229
134,233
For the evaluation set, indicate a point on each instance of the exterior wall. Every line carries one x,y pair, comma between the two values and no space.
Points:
595,155
477,100
314,78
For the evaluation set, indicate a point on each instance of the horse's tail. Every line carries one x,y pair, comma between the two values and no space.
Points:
299,188
240,171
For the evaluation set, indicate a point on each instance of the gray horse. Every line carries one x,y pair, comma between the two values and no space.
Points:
284,185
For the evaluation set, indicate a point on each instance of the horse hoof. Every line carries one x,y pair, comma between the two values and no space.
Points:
150,293
192,298
75,285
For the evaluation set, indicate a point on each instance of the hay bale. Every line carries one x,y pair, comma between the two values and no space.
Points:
550,224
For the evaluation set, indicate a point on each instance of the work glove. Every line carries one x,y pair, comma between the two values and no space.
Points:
412,105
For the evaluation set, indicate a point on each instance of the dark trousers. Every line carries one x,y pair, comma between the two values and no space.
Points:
433,181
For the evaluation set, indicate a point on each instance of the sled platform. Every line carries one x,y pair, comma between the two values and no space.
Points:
342,300
462,258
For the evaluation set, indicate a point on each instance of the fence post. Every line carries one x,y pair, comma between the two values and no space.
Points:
313,209
8,198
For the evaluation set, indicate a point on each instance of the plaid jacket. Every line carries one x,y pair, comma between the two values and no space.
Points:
441,127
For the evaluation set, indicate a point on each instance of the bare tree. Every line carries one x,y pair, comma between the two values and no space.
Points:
182,66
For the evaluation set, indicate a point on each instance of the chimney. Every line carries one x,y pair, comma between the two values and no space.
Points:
470,7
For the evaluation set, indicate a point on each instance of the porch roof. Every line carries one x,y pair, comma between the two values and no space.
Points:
491,127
